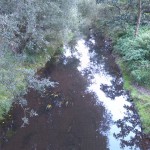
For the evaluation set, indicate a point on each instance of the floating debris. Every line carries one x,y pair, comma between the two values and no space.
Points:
49,106
33,113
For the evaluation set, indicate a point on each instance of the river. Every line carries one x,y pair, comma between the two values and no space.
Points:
87,110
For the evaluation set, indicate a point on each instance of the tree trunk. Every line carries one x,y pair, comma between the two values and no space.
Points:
139,18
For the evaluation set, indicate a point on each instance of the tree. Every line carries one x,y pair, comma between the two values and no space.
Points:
29,28
139,17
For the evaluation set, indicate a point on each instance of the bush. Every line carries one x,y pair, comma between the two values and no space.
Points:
31,33
135,53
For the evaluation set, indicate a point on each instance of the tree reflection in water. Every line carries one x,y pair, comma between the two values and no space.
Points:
114,90
130,134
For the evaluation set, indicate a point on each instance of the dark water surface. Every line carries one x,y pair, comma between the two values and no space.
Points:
87,110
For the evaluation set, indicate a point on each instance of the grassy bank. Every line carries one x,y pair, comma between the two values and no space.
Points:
14,73
134,61
139,95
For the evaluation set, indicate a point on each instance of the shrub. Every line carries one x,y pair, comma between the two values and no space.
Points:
135,53
31,32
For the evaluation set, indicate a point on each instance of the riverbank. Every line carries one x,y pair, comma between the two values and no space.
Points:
18,73
133,59
122,48
140,96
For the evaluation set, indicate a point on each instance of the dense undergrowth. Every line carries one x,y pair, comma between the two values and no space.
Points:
135,53
134,62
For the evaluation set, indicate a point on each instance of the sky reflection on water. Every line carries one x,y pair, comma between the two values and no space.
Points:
116,105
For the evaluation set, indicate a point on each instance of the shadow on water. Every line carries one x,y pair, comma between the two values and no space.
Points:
129,123
87,110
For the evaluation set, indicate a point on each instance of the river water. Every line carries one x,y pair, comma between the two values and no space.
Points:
87,110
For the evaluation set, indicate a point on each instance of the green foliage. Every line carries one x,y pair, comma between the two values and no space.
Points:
136,55
141,98
17,74
12,82
27,27
31,33
86,14
135,65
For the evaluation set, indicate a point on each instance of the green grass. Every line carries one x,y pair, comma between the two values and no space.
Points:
7,95
141,99
135,52
38,60
17,78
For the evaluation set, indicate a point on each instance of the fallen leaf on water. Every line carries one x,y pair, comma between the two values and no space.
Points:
48,106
